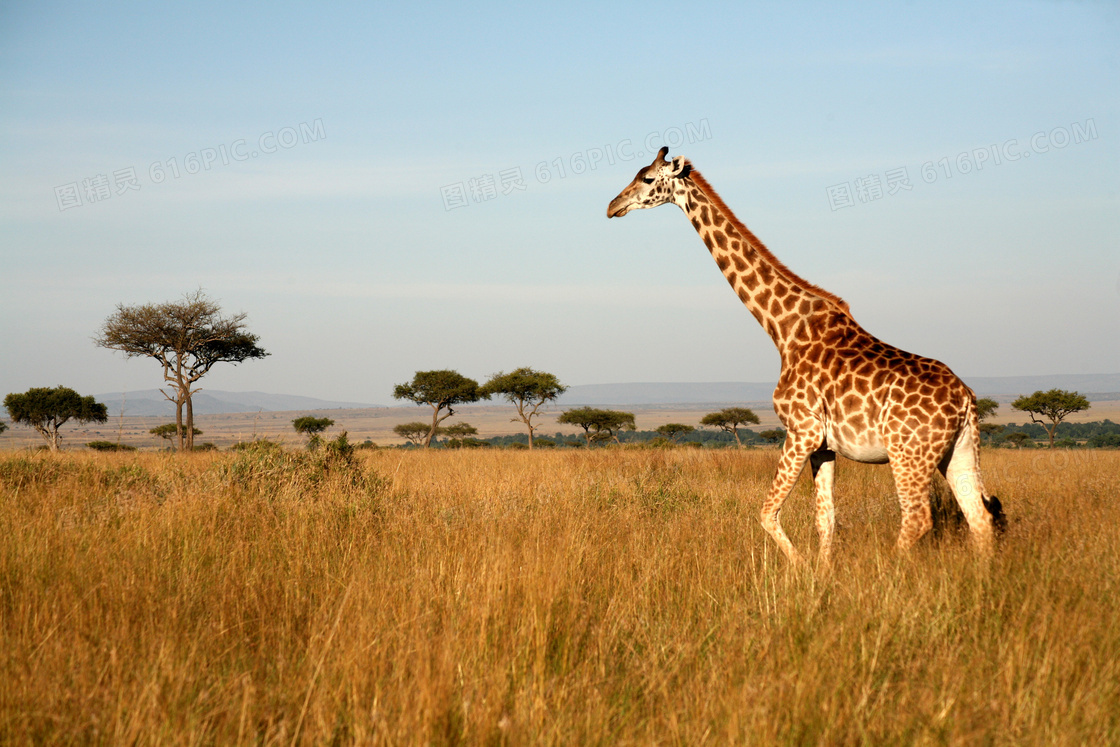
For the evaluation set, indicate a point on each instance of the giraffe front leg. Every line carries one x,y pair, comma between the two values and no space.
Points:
795,451
823,463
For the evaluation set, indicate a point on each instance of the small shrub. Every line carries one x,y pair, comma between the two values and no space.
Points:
261,444
468,443
339,448
109,446
262,465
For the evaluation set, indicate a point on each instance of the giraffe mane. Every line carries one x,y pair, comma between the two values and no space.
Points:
754,241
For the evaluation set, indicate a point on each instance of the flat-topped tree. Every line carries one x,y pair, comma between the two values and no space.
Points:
414,432
584,417
459,435
612,423
598,425
460,430
188,338
441,390
1053,405
527,390
169,430
311,427
729,419
46,410
672,431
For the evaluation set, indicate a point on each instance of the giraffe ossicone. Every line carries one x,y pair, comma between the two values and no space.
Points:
841,390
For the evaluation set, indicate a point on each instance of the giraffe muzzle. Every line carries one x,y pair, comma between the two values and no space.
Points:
616,209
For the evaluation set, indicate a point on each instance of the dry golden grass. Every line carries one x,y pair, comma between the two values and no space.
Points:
613,596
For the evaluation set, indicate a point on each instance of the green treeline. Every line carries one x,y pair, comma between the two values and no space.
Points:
1096,434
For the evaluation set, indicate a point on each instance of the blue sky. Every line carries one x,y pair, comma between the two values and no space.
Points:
326,157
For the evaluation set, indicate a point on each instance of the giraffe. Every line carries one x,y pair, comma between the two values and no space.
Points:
841,390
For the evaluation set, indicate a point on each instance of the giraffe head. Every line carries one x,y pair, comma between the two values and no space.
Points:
653,186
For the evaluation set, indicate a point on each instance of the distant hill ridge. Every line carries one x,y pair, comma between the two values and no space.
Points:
213,402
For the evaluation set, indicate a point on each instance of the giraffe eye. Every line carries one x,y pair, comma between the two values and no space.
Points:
647,180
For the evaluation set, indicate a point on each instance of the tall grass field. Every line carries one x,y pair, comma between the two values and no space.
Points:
612,596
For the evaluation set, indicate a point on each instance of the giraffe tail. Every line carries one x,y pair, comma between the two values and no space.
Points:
992,504
995,510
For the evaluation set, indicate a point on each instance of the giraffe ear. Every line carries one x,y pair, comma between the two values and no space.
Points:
681,167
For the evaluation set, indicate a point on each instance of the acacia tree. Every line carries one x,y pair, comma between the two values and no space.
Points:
460,430
46,409
415,432
441,390
167,430
460,434
598,425
985,408
729,419
672,430
188,338
528,390
1053,405
773,436
311,427
612,422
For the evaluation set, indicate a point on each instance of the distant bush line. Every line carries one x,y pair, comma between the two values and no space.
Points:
1095,434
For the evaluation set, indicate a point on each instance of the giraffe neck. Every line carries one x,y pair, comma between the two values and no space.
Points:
781,301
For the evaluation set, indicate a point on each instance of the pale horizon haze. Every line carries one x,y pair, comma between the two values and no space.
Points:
391,188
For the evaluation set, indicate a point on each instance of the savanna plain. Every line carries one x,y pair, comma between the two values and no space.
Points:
610,596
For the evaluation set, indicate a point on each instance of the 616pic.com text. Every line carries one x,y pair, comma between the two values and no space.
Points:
101,187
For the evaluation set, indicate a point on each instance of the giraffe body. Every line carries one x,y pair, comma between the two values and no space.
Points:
841,390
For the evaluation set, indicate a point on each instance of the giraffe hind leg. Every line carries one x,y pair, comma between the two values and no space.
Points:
795,452
823,463
912,478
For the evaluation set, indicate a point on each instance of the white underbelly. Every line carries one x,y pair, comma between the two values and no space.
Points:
863,447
